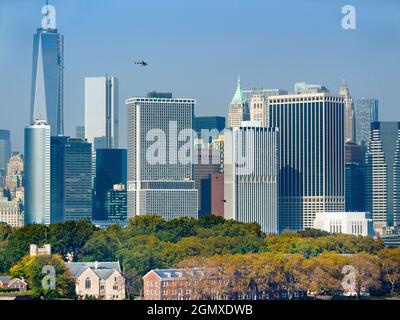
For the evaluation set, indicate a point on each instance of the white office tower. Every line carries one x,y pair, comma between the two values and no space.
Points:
311,176
37,173
160,157
101,112
251,176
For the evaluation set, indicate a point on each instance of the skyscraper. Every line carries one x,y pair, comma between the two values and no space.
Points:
80,132
238,109
71,179
251,176
48,73
160,172
111,165
354,174
116,203
382,174
5,151
258,103
101,112
366,112
37,173
208,123
306,88
349,118
311,155
15,175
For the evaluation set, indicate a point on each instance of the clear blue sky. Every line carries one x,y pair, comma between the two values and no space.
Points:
199,48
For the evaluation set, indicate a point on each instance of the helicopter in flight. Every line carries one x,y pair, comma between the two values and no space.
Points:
141,63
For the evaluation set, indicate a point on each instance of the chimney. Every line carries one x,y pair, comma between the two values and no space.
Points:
96,264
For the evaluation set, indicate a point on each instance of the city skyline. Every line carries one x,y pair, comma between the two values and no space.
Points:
370,49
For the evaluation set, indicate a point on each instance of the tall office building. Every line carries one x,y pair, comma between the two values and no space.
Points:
366,112
5,151
37,173
207,163
80,132
306,88
349,118
111,165
208,124
258,103
160,172
251,176
15,174
238,109
48,74
312,156
354,177
382,174
71,179
116,204
101,112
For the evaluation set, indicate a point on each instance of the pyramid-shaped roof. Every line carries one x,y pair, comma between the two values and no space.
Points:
239,97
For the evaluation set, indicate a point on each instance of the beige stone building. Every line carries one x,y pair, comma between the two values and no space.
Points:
238,109
10,213
102,280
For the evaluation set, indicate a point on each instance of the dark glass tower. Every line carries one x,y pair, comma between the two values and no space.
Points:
111,166
71,179
5,151
47,74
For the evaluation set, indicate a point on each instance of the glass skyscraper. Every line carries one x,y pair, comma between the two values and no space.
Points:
37,173
101,112
382,174
111,166
47,78
366,112
71,179
311,129
5,151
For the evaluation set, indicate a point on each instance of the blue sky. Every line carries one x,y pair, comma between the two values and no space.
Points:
199,48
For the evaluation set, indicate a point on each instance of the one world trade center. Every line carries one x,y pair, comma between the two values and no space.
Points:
47,73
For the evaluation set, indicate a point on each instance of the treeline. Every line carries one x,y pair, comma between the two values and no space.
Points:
150,242
272,275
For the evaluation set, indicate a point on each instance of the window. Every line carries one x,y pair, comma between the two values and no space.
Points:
88,283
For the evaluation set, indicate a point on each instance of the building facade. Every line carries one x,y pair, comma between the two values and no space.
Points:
102,280
160,166
14,181
11,213
382,174
354,177
71,179
366,112
47,96
238,109
116,208
101,112
354,223
311,176
37,173
258,103
251,181
212,124
5,151
183,284
349,117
